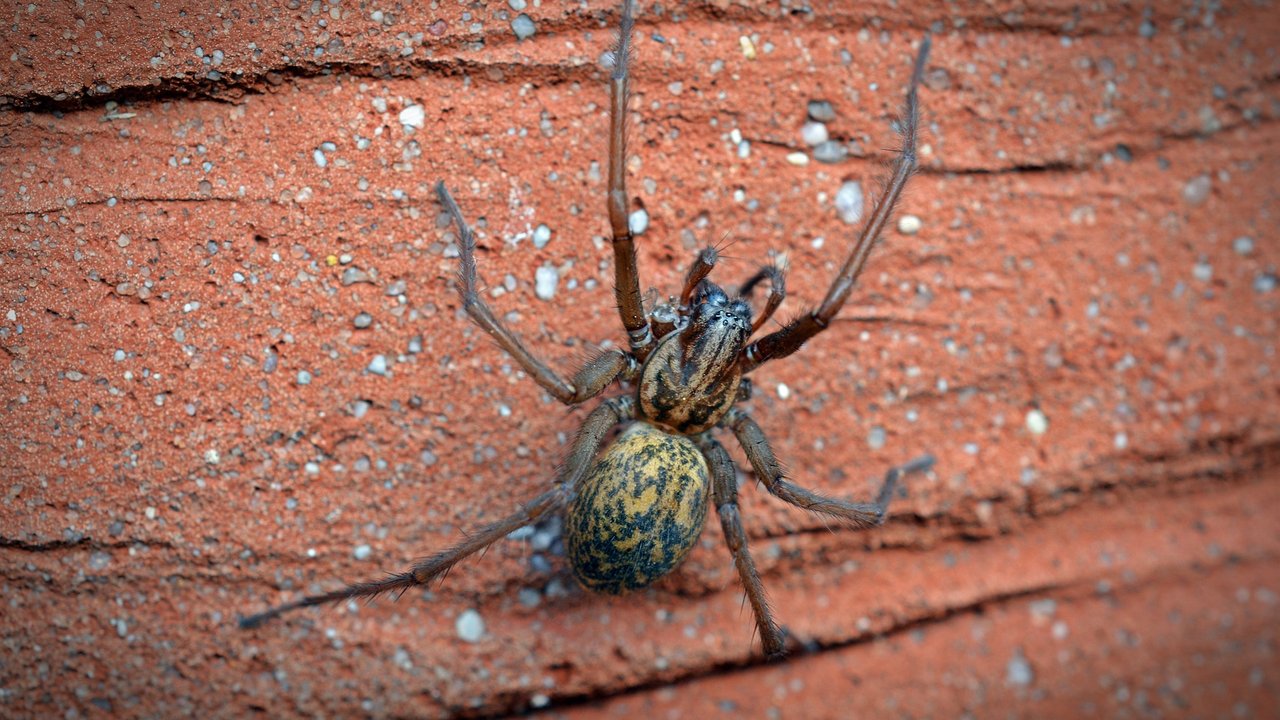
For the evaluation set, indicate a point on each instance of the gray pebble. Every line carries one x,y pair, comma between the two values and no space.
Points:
1264,283
529,597
814,133
99,561
470,626
1243,245
378,365
1018,671
363,320
415,344
1196,191
395,288
821,111
849,201
517,5
353,275
523,27
876,438
830,152
304,377
362,552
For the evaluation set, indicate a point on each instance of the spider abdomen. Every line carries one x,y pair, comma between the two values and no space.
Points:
639,511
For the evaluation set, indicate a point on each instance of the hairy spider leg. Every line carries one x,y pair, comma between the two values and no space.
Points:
590,380
604,418
724,491
786,341
756,447
626,274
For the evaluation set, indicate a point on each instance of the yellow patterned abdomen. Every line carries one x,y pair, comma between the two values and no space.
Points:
639,512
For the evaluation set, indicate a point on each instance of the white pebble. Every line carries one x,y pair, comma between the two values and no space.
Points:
470,626
541,236
909,224
212,457
798,159
414,116
784,392
1037,423
362,552
1202,271
814,133
378,365
849,201
638,222
545,280
1243,245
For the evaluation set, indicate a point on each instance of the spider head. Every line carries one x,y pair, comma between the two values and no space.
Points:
718,327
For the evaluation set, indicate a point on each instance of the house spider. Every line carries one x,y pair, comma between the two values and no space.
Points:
635,511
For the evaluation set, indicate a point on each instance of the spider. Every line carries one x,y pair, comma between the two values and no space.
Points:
636,509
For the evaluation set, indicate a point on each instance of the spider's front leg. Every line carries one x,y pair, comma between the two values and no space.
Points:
786,341
626,274
589,382
603,419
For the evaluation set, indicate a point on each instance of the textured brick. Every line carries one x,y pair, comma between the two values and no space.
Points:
190,429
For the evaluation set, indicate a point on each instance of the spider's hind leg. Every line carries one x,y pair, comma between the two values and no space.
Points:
594,429
590,381
769,471
724,491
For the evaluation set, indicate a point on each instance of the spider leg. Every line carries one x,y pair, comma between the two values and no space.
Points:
789,339
777,292
724,490
590,381
626,274
767,469
594,428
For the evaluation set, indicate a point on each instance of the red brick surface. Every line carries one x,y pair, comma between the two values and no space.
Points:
1089,180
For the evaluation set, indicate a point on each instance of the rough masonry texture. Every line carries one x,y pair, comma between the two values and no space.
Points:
235,369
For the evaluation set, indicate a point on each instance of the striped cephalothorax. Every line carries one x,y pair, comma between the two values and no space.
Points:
636,508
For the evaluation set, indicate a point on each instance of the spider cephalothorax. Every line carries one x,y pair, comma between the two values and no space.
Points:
636,508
